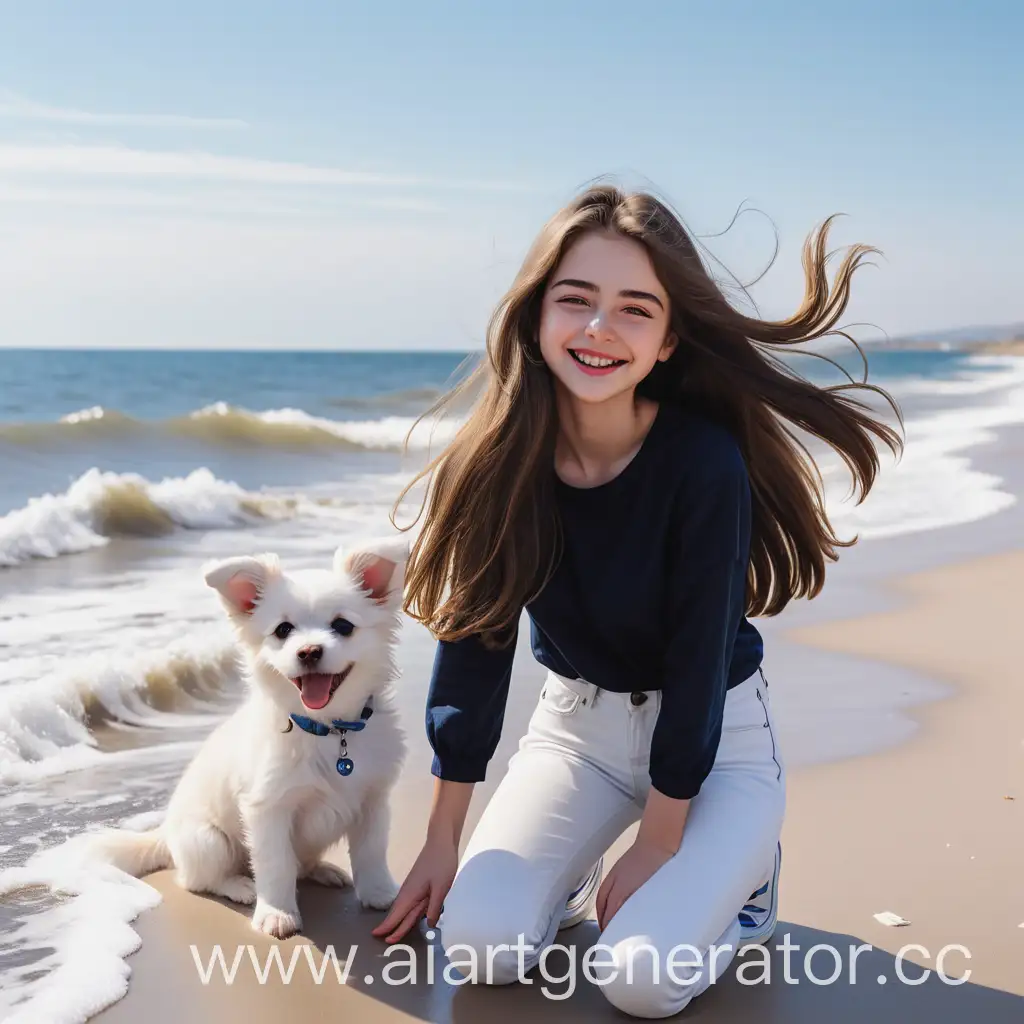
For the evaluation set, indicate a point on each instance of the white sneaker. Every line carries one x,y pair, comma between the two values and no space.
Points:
760,913
581,900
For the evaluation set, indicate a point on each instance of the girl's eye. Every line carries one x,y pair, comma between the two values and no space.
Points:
576,300
342,626
283,630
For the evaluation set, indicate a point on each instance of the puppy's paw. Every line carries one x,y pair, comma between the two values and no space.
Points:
377,892
329,875
278,923
238,889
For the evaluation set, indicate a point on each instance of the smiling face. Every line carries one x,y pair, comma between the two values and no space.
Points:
319,641
604,318
313,632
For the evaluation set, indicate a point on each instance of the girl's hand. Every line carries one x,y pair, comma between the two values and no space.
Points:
627,874
423,890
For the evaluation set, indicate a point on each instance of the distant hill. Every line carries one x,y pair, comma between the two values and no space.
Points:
960,337
988,338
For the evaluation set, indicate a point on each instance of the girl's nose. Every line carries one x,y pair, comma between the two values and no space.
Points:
597,324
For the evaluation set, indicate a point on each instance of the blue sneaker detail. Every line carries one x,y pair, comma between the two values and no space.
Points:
581,900
760,913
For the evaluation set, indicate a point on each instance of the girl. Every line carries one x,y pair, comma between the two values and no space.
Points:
628,480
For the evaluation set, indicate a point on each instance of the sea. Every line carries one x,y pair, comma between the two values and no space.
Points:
122,472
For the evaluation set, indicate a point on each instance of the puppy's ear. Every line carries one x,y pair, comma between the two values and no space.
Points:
241,582
378,567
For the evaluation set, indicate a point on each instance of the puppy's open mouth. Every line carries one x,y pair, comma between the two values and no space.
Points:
317,688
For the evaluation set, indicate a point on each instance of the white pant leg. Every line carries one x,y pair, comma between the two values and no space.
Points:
729,841
568,794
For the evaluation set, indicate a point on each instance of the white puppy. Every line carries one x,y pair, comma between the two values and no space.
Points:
272,789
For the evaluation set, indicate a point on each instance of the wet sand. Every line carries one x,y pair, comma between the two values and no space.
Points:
1013,347
926,829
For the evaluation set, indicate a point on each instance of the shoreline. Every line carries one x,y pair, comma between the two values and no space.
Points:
870,712
864,834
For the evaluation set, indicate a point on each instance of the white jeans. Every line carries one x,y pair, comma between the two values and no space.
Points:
578,780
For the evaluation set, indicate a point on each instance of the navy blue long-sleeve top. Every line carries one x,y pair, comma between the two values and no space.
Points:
649,594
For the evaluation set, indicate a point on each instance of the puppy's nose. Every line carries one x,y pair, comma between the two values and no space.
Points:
310,654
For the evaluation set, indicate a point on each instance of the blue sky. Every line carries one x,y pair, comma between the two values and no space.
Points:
369,175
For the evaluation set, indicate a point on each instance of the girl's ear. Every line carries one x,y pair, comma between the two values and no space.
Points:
241,582
378,567
668,346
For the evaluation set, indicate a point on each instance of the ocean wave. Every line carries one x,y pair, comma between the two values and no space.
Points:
935,484
223,425
296,428
78,932
421,398
80,945
99,506
981,377
48,726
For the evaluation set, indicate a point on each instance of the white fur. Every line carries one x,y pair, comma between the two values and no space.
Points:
260,804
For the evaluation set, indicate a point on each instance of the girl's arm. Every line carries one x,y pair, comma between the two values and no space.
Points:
663,821
465,711
425,887
464,715
448,811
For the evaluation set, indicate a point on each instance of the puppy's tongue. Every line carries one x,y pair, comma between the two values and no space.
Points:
315,690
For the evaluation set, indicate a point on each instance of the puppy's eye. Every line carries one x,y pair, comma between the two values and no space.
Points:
342,626
283,630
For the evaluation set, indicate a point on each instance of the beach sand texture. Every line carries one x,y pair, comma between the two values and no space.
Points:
932,830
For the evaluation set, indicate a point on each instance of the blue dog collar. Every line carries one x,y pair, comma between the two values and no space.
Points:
344,763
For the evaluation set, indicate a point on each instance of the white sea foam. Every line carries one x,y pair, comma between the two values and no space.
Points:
935,483
100,505
389,433
86,939
223,425
78,947
95,412
978,380
44,728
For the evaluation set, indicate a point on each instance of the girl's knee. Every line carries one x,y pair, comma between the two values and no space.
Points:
485,946
484,958
491,932
646,980
638,983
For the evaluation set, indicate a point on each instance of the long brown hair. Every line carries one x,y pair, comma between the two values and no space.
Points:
491,537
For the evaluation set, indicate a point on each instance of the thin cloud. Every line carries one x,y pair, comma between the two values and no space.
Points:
13,105
93,198
126,162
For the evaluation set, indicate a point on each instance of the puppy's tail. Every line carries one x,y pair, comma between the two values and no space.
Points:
135,853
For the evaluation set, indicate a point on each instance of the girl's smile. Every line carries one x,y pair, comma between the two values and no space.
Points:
605,314
595,364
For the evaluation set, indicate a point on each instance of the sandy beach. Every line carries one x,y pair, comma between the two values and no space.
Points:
894,693
1002,348
931,829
